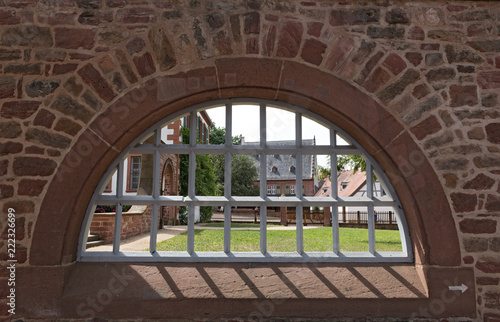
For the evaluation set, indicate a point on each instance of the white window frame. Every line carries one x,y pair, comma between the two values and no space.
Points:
292,189
263,201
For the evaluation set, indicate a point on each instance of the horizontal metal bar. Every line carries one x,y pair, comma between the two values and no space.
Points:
216,201
244,149
326,257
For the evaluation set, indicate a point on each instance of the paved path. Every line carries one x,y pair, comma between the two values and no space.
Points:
141,242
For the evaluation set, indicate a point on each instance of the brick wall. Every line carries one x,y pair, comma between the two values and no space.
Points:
420,81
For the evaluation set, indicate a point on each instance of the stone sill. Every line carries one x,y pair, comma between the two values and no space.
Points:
215,290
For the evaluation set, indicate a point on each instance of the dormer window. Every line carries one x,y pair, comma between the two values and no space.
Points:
277,156
343,185
275,169
292,169
325,189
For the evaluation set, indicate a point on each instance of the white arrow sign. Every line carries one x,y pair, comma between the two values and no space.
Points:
462,288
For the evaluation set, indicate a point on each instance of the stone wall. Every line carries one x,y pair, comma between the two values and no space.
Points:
416,83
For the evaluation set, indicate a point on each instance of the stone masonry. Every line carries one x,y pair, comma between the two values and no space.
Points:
433,66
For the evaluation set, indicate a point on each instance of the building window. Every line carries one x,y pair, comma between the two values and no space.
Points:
343,185
268,200
134,172
108,186
274,170
292,169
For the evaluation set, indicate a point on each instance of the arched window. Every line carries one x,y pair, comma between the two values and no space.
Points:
307,139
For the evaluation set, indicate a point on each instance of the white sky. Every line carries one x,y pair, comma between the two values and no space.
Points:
280,125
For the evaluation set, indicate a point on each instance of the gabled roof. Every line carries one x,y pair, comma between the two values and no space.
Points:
354,182
285,165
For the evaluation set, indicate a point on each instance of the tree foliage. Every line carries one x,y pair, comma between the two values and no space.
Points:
344,162
205,177
243,171
243,176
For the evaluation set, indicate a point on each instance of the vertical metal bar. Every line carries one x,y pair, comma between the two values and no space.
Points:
156,194
227,177
190,241
229,124
118,214
371,216
191,180
193,135
227,206
299,210
154,228
263,179
120,179
227,227
118,229
334,193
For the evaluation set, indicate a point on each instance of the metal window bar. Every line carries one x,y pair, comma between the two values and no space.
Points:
299,217
156,194
371,216
334,193
191,181
263,179
227,178
263,201
118,215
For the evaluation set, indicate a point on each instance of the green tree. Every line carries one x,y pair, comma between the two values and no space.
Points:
243,172
204,182
344,162
243,176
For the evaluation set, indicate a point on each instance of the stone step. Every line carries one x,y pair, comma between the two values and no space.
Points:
95,243
93,237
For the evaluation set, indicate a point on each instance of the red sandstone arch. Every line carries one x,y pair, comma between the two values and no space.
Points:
427,209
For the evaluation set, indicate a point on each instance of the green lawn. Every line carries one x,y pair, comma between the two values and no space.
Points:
236,225
315,240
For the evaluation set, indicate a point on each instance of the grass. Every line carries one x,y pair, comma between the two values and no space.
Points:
315,240
236,225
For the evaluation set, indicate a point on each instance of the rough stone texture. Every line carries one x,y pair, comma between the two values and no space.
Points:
386,32
41,88
68,106
44,118
313,51
93,78
47,138
428,126
463,95
10,148
7,87
162,49
32,188
74,38
136,45
28,35
432,66
478,226
19,109
354,17
493,132
480,182
441,74
68,126
33,166
289,40
144,64
393,90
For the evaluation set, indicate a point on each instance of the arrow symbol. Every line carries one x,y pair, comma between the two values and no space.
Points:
461,288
